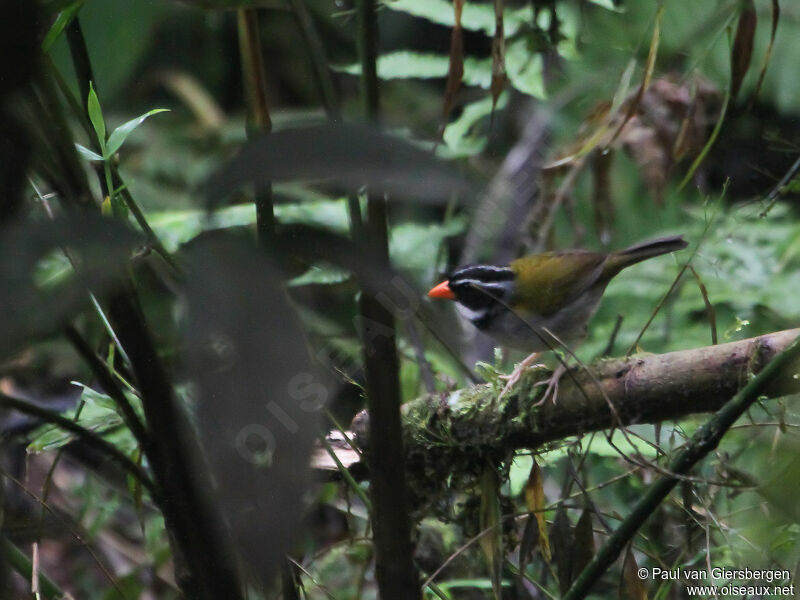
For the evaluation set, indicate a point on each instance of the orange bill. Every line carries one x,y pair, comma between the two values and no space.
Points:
442,291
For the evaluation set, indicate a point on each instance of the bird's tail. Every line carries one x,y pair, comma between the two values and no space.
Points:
642,251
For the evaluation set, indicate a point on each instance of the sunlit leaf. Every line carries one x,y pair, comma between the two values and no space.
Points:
86,153
409,64
476,16
463,136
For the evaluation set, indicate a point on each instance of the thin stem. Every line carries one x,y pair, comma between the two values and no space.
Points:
259,121
110,387
20,562
319,61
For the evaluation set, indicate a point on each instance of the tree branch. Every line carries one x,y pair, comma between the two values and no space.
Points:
643,388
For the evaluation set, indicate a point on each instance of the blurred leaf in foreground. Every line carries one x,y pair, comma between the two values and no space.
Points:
351,155
258,399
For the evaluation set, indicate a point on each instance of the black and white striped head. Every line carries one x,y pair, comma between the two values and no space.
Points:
480,292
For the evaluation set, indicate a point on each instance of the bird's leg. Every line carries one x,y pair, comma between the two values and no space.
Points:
517,373
552,384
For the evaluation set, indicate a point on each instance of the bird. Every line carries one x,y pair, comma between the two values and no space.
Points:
543,301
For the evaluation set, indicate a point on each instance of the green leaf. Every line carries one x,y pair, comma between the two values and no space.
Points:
86,153
64,18
608,5
462,136
177,227
408,64
413,246
524,68
96,117
98,415
121,133
320,276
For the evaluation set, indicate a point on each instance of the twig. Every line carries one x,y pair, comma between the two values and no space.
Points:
86,435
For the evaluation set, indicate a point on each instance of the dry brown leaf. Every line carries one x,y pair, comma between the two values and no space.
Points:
583,545
742,50
498,55
455,71
601,196
535,501
632,587
562,543
776,15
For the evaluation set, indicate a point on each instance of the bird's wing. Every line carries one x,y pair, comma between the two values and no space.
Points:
546,282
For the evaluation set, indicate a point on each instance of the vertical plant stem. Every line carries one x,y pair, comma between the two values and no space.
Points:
79,54
319,61
196,532
191,519
259,121
394,568
111,179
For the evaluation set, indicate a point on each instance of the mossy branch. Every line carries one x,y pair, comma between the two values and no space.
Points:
643,388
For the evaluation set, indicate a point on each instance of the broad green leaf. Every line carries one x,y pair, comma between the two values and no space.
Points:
414,246
408,64
179,226
96,117
121,133
320,276
475,16
462,136
86,153
524,68
99,414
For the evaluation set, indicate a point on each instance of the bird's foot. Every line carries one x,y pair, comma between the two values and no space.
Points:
516,374
552,385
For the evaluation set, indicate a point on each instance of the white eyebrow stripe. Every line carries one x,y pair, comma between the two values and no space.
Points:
487,269
495,285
